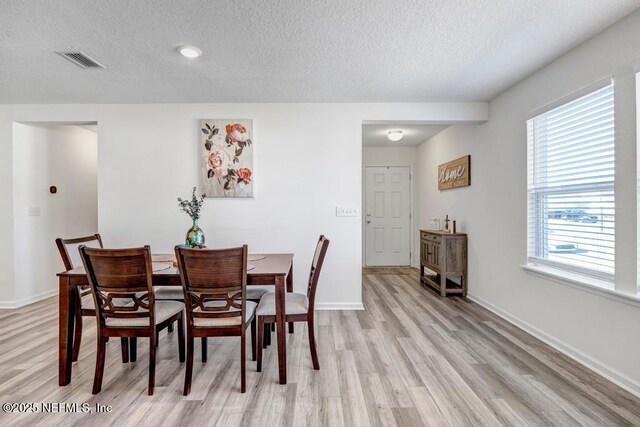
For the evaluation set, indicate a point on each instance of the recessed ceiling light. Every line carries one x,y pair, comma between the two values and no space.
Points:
395,135
189,51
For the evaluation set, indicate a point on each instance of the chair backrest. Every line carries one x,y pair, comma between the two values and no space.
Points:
316,266
214,282
68,249
121,282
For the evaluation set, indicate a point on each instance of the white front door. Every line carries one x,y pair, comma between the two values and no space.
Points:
387,215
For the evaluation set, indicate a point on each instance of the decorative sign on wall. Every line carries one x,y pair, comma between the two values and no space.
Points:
454,174
227,157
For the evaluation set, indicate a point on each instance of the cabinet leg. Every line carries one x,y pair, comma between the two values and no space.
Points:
443,285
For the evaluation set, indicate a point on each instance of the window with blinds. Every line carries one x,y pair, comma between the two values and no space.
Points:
571,212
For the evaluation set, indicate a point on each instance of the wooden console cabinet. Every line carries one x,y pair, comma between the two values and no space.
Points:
445,255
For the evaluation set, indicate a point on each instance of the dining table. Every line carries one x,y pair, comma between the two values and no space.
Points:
267,269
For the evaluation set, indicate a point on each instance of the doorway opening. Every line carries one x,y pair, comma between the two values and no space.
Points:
390,169
55,194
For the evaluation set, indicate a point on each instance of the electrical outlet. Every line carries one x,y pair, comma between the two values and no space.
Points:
346,211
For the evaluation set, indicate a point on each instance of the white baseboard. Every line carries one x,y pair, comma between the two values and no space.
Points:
30,300
595,365
339,306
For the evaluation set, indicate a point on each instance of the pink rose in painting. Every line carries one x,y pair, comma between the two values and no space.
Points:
237,133
215,159
244,174
218,162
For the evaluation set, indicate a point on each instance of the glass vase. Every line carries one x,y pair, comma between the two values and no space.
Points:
195,236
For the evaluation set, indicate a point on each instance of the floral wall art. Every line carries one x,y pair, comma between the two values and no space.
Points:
227,157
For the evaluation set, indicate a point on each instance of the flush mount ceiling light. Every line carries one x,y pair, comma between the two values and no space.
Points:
395,135
188,51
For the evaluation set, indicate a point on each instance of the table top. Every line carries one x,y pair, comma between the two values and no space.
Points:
270,265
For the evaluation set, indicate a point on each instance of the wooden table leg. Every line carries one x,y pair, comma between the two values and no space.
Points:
66,315
290,289
282,342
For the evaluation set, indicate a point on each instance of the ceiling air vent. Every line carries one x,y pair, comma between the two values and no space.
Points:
81,60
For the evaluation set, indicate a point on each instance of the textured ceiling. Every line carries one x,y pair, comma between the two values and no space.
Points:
412,135
287,50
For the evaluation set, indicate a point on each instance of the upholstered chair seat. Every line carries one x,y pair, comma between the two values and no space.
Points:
87,302
257,292
294,304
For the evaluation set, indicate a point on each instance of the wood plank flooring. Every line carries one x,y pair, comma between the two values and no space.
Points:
410,359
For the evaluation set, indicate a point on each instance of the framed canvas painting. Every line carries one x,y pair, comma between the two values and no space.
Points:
227,157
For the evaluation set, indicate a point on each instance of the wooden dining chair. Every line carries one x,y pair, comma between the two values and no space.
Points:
122,288
215,294
68,249
298,307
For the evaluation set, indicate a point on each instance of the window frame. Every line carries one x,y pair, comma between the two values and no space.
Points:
536,243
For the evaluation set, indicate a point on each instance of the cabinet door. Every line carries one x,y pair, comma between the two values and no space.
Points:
456,253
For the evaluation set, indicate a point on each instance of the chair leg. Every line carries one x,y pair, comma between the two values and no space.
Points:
312,344
273,327
261,329
243,361
189,370
133,349
157,337
97,379
181,337
267,335
204,349
253,339
77,337
170,328
124,349
152,363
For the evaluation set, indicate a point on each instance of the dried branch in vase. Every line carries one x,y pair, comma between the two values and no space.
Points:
192,207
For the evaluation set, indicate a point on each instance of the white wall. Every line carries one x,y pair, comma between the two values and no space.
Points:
395,156
308,160
64,156
601,332
389,156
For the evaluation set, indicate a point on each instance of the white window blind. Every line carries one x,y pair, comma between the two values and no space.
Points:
571,211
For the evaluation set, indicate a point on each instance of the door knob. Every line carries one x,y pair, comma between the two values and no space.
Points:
368,222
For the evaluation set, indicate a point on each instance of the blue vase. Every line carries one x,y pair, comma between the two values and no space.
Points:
195,236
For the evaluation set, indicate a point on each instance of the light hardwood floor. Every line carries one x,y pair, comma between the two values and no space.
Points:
410,358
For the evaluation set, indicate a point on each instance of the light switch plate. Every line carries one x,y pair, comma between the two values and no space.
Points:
346,211
34,210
